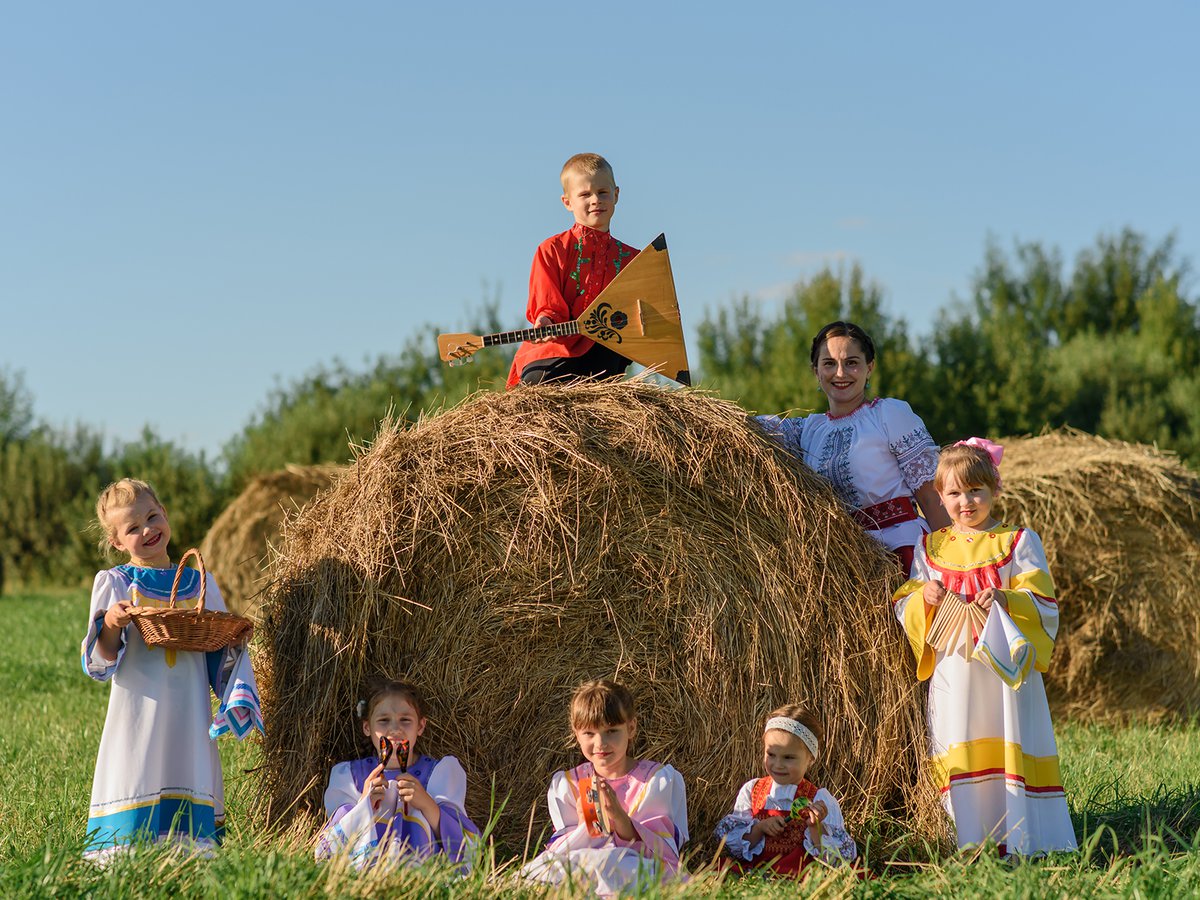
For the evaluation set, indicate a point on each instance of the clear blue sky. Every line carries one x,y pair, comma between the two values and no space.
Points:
198,199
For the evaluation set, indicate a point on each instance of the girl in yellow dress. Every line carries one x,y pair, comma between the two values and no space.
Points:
991,741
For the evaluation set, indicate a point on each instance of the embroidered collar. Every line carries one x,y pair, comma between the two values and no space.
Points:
586,233
864,405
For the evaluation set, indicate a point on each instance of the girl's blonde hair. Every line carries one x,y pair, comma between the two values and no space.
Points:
125,492
968,466
801,715
601,702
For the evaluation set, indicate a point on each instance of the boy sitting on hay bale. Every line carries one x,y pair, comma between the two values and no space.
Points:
569,272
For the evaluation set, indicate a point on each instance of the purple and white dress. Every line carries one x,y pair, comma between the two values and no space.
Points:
876,457
392,832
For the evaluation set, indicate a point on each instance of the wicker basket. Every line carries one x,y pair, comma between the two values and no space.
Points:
196,629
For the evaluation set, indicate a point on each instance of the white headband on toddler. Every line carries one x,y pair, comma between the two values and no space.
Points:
791,726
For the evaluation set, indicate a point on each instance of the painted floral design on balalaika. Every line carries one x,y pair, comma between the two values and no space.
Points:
637,315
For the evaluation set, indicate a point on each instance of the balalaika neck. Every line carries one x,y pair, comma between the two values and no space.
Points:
562,329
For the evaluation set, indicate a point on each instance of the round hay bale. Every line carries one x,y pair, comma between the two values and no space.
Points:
1121,525
503,551
235,548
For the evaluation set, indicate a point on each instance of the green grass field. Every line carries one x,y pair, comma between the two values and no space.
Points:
1134,794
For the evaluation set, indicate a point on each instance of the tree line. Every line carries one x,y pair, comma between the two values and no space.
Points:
1109,345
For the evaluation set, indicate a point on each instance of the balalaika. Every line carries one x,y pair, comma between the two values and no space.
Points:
637,315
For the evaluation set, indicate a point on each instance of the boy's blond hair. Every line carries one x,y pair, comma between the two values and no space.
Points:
125,492
585,164
601,702
968,466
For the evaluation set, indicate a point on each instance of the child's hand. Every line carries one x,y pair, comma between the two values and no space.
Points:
990,595
374,786
244,641
412,793
542,322
117,616
768,827
618,820
934,593
816,812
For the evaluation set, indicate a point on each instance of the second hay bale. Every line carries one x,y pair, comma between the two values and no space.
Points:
236,546
1121,525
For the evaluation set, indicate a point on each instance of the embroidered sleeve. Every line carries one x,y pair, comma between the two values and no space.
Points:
837,847
786,431
909,441
734,829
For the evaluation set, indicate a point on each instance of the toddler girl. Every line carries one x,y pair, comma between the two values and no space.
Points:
616,819
782,821
158,774
396,803
990,735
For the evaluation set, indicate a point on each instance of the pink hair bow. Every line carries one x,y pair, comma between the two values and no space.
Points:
994,451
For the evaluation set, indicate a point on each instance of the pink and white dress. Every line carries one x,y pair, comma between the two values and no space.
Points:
654,797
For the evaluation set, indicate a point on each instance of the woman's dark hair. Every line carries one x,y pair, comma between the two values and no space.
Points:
843,329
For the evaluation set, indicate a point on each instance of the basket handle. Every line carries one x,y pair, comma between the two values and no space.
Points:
203,578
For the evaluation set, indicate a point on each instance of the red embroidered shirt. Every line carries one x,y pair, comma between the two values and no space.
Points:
569,272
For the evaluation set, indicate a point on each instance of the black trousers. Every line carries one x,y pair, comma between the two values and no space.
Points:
598,362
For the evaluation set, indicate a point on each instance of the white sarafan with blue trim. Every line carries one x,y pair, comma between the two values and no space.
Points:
158,774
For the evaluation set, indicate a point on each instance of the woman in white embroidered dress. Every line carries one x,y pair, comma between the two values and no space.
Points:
877,454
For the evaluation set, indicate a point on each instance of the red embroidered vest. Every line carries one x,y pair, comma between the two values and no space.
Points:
792,837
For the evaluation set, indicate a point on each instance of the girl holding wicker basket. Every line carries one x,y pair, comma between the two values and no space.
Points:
158,773
980,614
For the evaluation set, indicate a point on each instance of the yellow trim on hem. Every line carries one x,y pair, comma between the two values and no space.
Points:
995,754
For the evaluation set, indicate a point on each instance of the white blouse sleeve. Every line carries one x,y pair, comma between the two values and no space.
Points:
836,845
787,431
448,782
105,593
910,442
341,790
734,829
679,812
561,799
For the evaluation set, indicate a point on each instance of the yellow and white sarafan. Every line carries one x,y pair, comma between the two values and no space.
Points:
992,744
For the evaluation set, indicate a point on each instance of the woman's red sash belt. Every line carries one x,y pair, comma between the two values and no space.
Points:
889,512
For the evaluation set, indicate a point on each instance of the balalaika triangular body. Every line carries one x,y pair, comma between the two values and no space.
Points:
637,315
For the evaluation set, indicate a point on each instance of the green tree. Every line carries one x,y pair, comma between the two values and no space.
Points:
316,419
764,361
16,407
